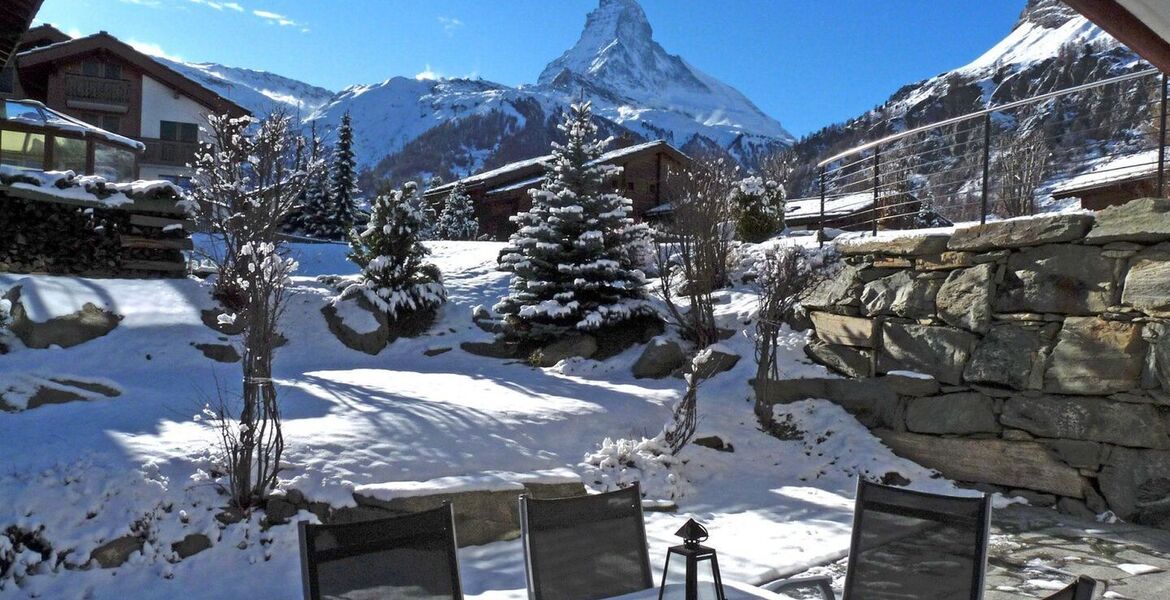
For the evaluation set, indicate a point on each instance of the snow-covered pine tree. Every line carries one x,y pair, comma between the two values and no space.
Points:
458,220
312,217
394,276
758,204
343,192
573,256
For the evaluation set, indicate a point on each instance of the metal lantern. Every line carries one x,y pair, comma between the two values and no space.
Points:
693,553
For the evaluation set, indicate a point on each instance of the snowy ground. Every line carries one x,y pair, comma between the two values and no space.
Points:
88,471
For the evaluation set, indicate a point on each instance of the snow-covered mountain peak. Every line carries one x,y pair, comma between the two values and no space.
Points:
1049,14
616,32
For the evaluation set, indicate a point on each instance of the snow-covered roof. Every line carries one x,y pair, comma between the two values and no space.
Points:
1110,170
31,112
527,165
800,209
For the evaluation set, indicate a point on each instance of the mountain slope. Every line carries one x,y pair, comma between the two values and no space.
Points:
258,91
1051,47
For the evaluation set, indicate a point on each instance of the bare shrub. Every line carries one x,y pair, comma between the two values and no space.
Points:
246,183
694,248
783,276
1022,166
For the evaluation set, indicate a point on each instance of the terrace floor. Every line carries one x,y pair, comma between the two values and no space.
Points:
1035,551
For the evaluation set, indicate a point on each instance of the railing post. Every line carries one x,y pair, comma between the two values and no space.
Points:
986,168
877,168
821,234
1162,143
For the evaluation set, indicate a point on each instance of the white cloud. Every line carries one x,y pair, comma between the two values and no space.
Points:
219,5
428,73
150,3
151,49
274,18
450,24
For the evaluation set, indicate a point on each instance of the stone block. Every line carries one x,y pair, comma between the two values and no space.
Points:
1136,483
1017,233
900,294
1079,454
871,402
712,361
1146,220
1088,419
116,552
659,359
938,351
829,294
964,300
945,261
907,385
1006,356
952,414
574,346
844,330
368,335
191,544
1094,356
1147,284
1012,464
909,244
848,361
1063,279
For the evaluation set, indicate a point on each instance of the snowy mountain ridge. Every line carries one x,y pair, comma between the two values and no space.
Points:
258,91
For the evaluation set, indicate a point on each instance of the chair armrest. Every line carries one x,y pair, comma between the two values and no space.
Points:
820,583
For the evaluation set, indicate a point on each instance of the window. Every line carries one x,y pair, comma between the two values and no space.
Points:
111,123
113,163
68,154
22,150
97,68
630,186
91,68
172,131
113,70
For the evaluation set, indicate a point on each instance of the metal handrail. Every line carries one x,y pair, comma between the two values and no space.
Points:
986,112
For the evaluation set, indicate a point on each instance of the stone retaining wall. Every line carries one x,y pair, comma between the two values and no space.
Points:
1047,346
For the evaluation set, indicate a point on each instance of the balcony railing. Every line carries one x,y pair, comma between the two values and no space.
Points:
167,152
97,89
1004,161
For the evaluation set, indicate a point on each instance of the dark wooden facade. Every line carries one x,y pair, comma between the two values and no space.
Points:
1112,193
501,193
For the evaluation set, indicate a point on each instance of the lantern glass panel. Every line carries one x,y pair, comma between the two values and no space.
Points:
676,588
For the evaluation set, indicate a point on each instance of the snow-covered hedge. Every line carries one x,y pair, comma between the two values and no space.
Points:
620,463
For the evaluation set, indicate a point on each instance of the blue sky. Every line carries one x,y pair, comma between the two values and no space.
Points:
808,63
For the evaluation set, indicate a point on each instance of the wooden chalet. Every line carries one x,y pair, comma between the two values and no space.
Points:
103,81
503,192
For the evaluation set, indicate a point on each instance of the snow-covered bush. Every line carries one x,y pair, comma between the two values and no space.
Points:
5,324
648,461
758,204
311,218
573,254
457,221
394,276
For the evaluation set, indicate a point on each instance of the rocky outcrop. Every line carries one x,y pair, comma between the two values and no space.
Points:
659,359
579,345
88,323
360,326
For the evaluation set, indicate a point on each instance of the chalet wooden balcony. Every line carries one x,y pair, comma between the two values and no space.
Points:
167,152
97,90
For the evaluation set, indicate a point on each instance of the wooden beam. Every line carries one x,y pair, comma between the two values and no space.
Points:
134,241
154,265
1128,29
161,222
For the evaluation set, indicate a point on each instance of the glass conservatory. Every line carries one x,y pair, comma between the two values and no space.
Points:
38,138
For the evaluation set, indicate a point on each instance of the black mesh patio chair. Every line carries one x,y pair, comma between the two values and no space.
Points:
408,557
911,545
585,547
1082,589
